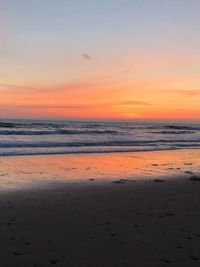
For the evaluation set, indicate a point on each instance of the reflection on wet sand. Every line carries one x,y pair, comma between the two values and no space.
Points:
29,170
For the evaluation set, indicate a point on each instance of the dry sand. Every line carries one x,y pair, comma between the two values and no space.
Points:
97,225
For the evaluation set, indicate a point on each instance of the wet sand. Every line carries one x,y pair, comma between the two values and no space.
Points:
128,223
126,209
32,171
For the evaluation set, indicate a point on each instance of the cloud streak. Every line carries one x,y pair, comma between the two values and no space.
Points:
182,92
132,102
82,106
46,89
5,85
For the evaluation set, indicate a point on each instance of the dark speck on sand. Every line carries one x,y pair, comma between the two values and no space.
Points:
158,181
195,178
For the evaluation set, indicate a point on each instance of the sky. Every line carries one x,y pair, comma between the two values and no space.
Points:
108,59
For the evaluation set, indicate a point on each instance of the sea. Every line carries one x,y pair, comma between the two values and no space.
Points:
42,137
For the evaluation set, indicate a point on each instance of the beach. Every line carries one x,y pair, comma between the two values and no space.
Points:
99,133
110,220
153,224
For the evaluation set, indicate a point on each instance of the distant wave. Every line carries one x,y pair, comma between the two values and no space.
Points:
55,132
182,127
160,127
6,125
96,126
171,132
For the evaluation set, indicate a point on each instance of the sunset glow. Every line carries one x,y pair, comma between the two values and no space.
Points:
100,60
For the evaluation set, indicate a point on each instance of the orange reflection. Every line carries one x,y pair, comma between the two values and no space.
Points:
18,171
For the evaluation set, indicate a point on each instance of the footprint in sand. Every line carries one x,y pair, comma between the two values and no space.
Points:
195,178
17,253
166,261
193,257
53,261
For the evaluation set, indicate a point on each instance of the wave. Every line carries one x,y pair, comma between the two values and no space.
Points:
182,127
161,127
99,144
6,125
56,132
65,137
171,132
84,151
91,151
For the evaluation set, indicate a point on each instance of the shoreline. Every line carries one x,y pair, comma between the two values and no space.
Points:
79,153
27,171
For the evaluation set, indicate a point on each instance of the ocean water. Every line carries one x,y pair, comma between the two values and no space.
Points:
31,137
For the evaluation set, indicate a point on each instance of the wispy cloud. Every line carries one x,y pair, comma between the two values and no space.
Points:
81,106
182,92
132,102
47,89
5,85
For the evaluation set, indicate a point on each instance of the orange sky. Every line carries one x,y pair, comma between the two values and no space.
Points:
100,60
126,100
